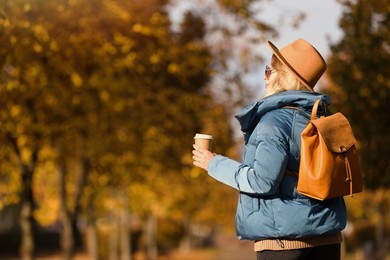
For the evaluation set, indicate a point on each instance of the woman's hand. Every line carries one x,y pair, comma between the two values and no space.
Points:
201,157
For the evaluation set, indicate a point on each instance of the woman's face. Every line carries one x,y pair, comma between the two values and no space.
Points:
269,78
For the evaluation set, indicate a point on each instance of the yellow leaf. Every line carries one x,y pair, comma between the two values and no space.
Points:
5,23
25,24
37,47
54,46
27,8
104,95
154,59
13,40
15,111
76,79
40,32
173,68
137,28
72,2
103,180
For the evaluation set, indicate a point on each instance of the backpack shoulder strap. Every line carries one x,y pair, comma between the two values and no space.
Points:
314,109
291,173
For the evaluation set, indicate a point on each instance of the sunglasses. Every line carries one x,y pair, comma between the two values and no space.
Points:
268,71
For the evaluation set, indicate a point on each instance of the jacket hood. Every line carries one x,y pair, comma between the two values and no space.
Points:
250,116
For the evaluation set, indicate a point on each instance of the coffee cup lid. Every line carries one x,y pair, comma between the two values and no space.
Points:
203,136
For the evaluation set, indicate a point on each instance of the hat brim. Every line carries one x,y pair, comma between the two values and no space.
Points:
280,57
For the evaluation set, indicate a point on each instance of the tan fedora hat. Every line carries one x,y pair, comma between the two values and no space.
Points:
303,60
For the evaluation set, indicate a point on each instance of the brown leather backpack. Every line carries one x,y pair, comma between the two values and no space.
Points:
329,165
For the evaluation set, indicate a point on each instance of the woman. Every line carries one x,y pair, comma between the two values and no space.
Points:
283,223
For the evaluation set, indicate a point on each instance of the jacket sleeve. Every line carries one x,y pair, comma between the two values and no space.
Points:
263,177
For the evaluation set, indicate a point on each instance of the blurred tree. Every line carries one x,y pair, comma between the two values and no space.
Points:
359,68
360,85
233,33
22,131
131,83
105,98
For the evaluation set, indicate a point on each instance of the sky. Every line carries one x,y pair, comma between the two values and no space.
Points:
322,17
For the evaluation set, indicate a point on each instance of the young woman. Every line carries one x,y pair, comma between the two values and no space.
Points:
282,223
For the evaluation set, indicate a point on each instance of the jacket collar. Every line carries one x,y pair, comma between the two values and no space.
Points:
251,115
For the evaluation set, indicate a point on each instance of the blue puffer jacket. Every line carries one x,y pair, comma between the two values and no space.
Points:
269,205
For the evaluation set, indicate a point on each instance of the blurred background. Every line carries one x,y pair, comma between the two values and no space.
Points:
100,101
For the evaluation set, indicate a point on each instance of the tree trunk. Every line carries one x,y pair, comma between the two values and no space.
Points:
66,236
125,235
26,218
92,237
27,246
113,239
27,222
92,242
185,243
151,241
379,230
67,242
81,182
70,235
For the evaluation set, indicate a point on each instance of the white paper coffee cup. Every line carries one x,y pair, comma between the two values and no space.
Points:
204,141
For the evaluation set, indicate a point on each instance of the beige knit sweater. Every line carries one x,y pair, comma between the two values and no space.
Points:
287,244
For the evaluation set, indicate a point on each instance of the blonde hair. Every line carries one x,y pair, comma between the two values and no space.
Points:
286,80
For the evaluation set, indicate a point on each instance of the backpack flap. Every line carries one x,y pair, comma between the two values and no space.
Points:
336,132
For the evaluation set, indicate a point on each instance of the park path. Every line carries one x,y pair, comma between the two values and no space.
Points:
227,247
